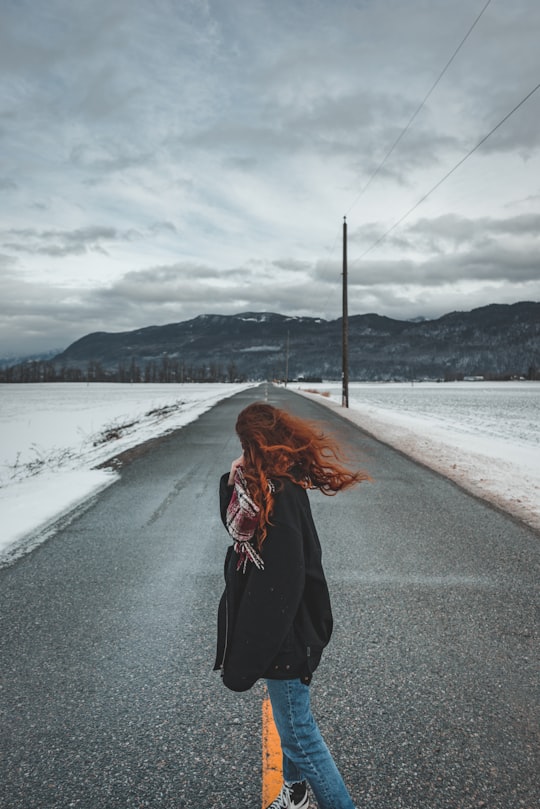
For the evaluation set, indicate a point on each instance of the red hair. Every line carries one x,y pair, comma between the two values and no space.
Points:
277,444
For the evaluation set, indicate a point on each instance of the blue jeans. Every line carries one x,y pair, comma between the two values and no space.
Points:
305,754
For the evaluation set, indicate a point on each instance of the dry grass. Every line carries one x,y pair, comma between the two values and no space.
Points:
325,393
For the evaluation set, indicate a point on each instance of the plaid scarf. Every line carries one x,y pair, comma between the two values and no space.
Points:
242,521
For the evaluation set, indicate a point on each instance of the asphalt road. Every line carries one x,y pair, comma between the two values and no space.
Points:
427,695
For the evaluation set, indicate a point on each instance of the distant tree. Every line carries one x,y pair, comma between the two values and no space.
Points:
232,371
134,371
121,374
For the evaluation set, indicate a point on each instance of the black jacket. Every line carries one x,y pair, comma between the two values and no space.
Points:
274,623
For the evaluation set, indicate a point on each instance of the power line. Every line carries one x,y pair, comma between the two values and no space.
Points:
449,173
414,115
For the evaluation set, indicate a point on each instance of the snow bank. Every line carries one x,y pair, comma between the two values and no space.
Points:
483,436
53,436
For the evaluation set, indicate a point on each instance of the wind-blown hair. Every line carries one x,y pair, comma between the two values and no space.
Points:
277,444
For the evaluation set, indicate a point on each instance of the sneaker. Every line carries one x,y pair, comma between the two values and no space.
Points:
292,796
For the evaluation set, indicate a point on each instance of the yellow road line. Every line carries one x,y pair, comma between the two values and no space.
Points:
272,773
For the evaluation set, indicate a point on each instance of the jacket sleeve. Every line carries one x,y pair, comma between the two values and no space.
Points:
270,600
225,494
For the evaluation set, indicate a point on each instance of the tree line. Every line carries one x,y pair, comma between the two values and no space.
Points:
166,369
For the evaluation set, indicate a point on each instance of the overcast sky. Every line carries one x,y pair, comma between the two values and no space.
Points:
161,159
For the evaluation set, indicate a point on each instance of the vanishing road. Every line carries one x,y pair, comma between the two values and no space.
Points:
427,695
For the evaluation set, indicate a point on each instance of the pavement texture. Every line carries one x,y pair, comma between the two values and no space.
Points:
427,695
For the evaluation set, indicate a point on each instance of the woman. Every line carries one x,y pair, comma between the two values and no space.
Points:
275,617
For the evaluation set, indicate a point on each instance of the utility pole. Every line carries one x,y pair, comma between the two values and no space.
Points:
345,325
287,361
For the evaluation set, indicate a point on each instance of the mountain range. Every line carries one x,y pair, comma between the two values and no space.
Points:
494,341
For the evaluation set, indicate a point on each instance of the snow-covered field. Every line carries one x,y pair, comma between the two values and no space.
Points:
52,436
483,435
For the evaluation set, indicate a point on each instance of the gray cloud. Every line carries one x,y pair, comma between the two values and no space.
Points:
446,234
193,157
58,243
107,157
451,232
7,184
